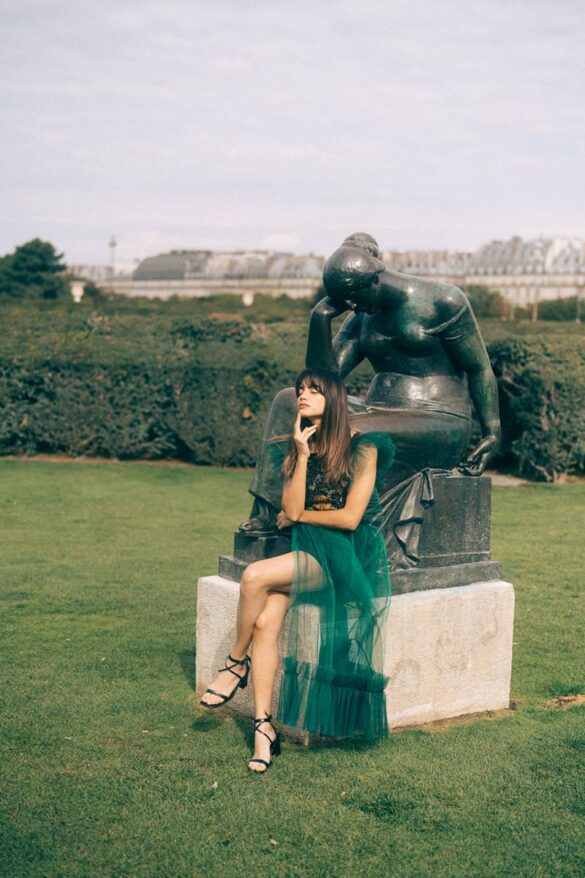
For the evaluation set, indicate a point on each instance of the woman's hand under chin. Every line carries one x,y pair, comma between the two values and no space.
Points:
301,437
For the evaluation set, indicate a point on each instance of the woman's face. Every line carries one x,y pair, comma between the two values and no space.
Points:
310,402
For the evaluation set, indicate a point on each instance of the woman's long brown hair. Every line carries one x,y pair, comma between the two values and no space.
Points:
332,442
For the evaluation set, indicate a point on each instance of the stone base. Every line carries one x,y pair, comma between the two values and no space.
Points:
449,650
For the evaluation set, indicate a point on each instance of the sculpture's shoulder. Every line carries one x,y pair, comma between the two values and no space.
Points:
437,303
453,313
450,300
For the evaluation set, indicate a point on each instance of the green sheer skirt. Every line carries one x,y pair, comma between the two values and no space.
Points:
333,681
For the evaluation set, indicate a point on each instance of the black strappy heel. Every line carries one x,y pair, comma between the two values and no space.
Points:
243,681
274,744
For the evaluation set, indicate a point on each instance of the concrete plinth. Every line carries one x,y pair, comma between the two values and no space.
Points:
449,650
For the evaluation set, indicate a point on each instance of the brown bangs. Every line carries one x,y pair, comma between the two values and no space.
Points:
332,442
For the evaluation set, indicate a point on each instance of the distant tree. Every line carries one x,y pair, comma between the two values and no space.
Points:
34,271
558,309
92,291
486,302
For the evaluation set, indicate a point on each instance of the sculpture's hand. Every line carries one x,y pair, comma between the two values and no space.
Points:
329,308
283,521
476,461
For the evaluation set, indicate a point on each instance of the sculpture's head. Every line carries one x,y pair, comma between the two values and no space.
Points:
351,275
364,242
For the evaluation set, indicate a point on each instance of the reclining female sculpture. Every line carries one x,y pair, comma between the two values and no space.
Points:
422,339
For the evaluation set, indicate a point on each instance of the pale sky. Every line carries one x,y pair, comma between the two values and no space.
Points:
289,124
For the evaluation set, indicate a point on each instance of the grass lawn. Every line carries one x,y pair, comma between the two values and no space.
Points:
109,767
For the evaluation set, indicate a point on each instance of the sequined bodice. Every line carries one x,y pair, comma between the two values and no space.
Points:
320,496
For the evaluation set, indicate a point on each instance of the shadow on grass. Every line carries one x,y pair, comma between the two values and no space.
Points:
419,814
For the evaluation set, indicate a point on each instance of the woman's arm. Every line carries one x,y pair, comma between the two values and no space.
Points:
357,499
294,490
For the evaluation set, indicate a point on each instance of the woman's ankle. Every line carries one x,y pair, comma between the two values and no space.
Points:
238,656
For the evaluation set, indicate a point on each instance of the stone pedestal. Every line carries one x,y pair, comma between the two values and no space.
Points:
450,624
449,650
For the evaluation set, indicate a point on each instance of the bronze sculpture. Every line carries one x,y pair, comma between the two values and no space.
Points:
431,365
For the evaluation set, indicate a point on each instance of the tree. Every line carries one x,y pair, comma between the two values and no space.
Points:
34,271
485,302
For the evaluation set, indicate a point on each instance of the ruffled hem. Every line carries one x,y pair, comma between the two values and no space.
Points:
332,702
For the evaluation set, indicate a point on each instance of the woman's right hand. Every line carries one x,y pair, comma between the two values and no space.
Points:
301,437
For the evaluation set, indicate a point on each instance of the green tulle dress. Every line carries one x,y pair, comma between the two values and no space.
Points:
333,682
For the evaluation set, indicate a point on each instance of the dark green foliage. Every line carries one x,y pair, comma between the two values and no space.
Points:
555,309
486,302
542,395
168,380
95,293
34,271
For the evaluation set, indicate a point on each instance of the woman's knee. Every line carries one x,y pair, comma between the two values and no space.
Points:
252,581
268,625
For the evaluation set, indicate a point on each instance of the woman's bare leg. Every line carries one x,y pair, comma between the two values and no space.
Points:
265,661
258,578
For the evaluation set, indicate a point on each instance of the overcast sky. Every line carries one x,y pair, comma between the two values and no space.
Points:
289,124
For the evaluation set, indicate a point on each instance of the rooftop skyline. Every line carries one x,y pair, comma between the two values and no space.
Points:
441,125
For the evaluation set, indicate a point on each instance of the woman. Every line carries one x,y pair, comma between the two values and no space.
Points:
331,575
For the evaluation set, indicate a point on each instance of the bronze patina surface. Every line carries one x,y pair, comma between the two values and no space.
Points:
431,371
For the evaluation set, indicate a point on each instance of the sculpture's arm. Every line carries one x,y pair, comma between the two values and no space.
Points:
340,355
465,347
346,344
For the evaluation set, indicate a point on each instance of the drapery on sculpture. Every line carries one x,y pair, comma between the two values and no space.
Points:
423,342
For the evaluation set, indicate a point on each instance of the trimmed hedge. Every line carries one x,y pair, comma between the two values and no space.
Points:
542,400
80,381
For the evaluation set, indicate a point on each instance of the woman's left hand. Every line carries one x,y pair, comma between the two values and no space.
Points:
283,521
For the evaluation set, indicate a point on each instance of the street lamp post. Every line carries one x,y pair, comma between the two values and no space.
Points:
112,245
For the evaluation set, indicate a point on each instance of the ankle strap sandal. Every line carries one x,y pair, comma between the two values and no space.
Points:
274,744
241,684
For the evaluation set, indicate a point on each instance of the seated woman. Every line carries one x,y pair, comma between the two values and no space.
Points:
330,574
431,366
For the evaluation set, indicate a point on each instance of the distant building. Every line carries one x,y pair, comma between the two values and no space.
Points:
523,271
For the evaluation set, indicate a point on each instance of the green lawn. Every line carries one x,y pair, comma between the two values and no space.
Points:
109,767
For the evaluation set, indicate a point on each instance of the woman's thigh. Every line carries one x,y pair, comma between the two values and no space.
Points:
274,574
277,574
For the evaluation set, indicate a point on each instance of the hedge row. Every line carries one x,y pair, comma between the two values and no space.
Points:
542,403
200,391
